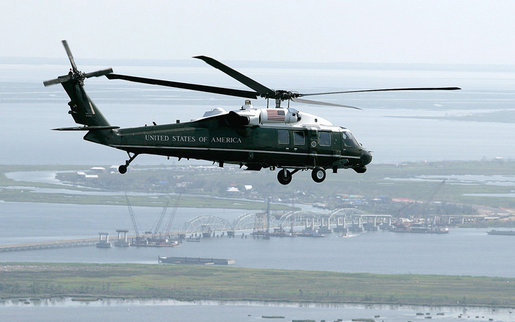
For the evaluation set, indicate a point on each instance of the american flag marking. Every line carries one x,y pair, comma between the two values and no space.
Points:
275,115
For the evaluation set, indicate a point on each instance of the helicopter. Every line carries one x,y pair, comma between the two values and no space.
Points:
258,138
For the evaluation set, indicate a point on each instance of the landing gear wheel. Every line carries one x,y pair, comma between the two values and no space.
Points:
123,168
318,174
284,176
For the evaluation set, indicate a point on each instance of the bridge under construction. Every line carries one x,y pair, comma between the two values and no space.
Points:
259,225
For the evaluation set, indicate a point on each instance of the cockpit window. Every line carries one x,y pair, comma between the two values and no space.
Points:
349,140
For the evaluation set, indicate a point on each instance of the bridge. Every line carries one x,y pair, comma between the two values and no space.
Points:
49,245
338,220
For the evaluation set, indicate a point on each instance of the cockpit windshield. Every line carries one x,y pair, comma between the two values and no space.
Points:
349,140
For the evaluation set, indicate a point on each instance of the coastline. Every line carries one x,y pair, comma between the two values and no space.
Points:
65,301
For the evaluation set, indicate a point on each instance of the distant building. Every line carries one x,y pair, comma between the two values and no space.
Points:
97,170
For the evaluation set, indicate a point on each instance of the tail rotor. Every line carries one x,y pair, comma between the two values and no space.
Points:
74,73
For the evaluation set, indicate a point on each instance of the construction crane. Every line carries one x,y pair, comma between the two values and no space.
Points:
160,220
172,215
430,200
408,206
133,216
268,216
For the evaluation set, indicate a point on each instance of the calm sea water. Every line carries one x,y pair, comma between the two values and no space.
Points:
156,310
461,252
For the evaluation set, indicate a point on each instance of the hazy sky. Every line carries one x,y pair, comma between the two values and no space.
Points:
319,31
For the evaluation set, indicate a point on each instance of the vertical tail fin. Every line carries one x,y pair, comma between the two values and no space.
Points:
82,109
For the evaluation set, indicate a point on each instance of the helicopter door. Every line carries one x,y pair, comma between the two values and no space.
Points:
285,143
283,139
336,143
301,147
299,141
313,146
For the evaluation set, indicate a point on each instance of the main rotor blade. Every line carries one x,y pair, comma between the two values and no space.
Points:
194,87
70,57
300,100
99,73
262,90
386,90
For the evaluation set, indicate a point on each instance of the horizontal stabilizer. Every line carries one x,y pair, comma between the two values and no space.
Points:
87,128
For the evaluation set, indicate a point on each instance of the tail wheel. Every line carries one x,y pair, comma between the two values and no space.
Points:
284,176
318,174
122,169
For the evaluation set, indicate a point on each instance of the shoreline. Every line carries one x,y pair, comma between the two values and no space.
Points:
62,301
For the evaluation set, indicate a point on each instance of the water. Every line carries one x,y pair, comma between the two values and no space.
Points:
158,310
461,252
28,222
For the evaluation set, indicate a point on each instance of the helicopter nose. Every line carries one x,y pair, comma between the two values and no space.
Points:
366,157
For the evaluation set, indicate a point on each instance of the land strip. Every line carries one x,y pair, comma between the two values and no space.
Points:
182,282
27,195
471,187
27,191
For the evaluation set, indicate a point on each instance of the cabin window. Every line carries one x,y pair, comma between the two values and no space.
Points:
349,140
325,139
283,137
299,138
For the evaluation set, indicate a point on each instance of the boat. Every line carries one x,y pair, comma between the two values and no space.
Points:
310,233
193,239
103,244
194,261
154,242
103,241
121,243
420,229
502,232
